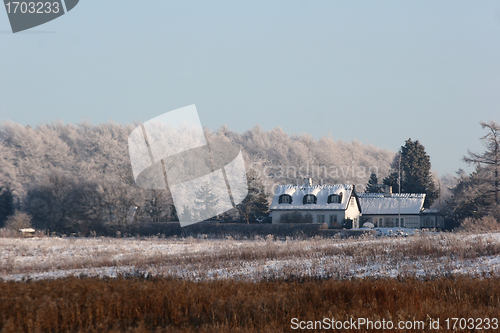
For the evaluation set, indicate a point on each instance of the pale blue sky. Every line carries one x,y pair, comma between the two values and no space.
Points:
374,71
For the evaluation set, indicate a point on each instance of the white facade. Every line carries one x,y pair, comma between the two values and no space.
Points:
330,204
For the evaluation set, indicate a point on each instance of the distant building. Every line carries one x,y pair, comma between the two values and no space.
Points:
331,204
27,232
334,204
431,218
386,209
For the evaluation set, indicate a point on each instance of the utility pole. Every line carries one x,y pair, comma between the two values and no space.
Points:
399,191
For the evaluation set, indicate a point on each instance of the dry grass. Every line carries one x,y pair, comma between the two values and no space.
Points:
258,285
170,305
484,224
427,255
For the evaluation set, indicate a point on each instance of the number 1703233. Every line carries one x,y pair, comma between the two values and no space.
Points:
25,7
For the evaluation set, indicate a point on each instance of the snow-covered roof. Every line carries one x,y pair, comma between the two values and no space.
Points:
320,191
404,203
430,211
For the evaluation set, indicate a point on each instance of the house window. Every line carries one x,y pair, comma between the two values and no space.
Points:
334,198
285,198
309,199
352,202
321,218
333,218
428,222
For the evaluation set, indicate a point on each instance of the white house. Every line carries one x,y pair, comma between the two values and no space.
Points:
330,204
385,209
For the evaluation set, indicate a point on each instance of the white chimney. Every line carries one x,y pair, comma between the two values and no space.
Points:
388,191
307,182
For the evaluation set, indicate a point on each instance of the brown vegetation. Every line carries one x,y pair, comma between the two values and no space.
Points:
425,255
486,223
141,304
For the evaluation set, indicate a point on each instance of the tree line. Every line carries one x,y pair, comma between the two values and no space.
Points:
78,178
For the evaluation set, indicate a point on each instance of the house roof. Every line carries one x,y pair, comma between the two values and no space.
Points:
404,203
320,191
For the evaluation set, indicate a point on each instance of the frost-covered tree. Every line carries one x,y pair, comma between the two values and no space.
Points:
476,195
469,196
489,160
19,220
98,154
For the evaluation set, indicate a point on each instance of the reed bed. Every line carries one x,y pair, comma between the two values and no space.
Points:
157,304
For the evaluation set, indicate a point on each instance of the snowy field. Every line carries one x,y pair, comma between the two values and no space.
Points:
423,255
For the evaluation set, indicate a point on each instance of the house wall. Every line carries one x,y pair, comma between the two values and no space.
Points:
330,217
352,212
340,214
431,221
391,221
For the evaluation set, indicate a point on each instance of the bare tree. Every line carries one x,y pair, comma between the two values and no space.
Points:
490,159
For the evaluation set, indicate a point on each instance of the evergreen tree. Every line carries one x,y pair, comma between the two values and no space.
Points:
187,215
393,178
6,205
256,205
207,202
415,172
373,186
393,181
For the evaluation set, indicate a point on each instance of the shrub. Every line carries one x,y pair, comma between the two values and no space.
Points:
486,223
347,223
308,218
18,221
7,233
296,217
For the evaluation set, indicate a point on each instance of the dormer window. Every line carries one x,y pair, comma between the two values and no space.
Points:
335,198
309,199
285,198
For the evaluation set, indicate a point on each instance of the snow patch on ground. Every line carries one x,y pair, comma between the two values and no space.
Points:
253,260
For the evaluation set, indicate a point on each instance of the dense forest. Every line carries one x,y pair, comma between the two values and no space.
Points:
77,177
